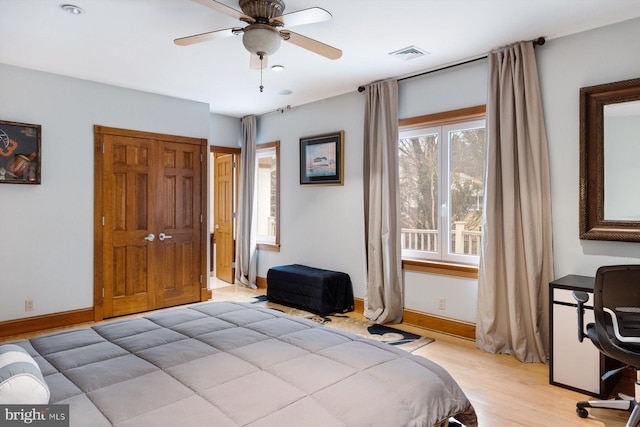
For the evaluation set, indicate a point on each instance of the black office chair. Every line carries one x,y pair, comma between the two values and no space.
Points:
616,331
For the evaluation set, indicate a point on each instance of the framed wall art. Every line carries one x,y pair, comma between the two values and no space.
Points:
322,159
19,153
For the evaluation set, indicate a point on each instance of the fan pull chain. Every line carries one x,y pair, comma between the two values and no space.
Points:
261,55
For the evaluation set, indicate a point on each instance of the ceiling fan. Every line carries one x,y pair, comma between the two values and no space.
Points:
262,36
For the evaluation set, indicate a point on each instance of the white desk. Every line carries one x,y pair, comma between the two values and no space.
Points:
573,364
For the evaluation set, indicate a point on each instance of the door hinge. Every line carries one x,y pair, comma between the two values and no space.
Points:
103,221
200,157
200,218
235,165
234,215
102,148
233,264
201,278
102,292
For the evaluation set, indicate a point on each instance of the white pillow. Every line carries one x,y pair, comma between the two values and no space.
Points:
21,381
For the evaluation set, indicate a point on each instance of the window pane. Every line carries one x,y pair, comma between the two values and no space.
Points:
266,194
466,189
419,201
441,172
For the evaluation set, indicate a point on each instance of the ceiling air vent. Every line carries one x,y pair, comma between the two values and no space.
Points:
408,53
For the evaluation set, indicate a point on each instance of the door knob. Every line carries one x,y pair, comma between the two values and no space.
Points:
217,226
150,237
163,236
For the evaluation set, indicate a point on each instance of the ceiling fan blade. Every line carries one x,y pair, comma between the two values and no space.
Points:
211,35
302,17
256,64
311,44
223,8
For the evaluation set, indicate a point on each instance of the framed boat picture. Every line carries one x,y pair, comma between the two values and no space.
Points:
19,153
322,159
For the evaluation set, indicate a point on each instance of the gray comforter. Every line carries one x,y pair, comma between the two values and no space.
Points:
235,364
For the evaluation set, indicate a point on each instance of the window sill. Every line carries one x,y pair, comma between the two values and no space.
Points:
459,270
272,247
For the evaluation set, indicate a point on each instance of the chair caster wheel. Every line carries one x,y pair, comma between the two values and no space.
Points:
582,413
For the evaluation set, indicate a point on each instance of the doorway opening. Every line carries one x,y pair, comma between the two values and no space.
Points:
224,163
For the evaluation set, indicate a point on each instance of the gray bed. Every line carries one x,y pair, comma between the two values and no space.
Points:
237,364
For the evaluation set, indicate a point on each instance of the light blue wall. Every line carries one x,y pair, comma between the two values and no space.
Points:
224,131
323,226
565,65
46,231
451,89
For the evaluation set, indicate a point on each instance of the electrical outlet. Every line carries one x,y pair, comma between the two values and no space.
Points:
28,305
442,303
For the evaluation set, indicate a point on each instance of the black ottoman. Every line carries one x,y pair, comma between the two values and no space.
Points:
312,289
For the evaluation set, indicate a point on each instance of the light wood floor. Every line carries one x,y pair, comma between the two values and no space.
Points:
503,391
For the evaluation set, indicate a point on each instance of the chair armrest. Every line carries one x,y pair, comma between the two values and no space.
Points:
581,297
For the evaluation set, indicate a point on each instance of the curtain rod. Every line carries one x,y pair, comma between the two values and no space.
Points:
278,110
537,42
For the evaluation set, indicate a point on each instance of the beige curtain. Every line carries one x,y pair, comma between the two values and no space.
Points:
246,262
516,261
383,299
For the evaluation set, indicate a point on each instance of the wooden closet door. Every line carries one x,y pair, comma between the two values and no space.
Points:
149,240
129,249
179,238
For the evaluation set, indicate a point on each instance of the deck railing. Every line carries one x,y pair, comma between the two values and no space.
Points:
462,241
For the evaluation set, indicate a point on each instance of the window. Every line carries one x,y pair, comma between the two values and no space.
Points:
441,190
268,195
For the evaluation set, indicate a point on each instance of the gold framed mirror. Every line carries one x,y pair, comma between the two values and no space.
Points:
610,161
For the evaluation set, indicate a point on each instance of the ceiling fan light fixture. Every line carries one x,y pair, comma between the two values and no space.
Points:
277,68
265,9
261,38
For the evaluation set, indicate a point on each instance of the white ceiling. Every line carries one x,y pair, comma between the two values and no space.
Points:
129,43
